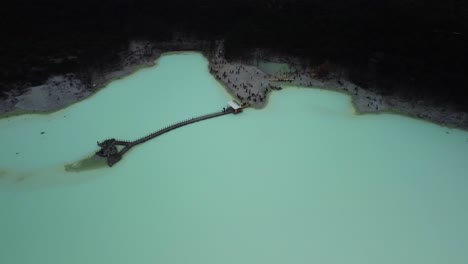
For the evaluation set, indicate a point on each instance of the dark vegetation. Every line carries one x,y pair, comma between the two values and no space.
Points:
414,48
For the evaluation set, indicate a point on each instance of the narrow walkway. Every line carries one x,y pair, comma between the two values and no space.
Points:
110,151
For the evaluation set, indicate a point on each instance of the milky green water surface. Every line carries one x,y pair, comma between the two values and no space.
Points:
275,67
303,181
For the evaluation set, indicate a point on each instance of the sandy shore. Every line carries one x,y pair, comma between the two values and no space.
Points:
245,81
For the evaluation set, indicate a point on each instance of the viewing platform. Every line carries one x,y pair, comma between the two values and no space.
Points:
235,106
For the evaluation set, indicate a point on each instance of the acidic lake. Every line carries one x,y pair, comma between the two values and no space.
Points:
305,180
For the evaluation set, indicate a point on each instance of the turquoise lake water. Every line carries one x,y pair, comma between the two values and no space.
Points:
275,67
305,180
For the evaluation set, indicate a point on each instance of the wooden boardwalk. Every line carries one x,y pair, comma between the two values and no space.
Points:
110,150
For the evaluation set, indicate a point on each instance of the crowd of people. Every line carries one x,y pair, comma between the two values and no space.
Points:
247,83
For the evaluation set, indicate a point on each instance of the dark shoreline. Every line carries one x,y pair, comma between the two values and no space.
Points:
406,57
142,54
415,50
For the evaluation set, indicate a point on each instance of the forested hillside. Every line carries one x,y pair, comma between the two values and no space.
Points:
414,48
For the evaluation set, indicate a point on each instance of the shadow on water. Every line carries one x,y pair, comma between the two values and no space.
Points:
12,177
3,174
89,163
68,174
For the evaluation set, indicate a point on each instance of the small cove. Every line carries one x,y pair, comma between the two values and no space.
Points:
304,180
